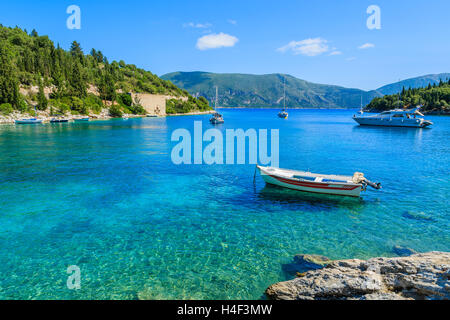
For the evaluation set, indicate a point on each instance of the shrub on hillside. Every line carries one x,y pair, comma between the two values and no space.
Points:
6,108
125,99
93,103
115,111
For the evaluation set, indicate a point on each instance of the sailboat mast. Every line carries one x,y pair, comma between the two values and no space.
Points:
217,98
284,94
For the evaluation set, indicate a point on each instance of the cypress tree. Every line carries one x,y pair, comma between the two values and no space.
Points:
77,83
9,84
42,99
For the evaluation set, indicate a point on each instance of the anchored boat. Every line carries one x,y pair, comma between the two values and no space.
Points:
394,118
82,119
29,121
283,113
217,118
317,183
59,120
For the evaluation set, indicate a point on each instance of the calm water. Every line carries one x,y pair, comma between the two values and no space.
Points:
106,197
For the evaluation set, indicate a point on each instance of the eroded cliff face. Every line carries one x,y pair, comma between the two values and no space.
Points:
419,276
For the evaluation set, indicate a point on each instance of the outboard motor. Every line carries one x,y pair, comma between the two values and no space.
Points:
373,184
358,177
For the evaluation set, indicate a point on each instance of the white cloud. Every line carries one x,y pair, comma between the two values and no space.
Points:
351,59
216,40
307,47
335,53
197,25
231,21
366,46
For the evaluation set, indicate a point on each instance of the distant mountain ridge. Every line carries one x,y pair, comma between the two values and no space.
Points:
417,82
248,90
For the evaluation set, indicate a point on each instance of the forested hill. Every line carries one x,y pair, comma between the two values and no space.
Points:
434,98
417,82
73,77
249,90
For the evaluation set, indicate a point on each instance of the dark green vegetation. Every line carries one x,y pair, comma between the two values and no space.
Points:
434,98
418,82
77,83
177,106
245,90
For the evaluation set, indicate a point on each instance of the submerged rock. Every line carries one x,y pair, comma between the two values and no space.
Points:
403,251
305,262
419,276
420,216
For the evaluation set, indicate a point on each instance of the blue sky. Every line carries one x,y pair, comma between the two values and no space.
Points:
254,36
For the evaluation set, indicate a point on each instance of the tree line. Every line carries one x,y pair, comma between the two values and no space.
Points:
434,98
78,82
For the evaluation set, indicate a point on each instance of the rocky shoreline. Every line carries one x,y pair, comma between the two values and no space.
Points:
195,113
104,115
420,276
46,117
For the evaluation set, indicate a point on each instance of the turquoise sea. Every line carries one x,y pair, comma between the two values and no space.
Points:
106,197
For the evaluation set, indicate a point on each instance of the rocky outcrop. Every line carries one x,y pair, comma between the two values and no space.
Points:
403,251
419,276
305,262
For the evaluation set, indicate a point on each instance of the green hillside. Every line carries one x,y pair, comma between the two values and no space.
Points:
434,98
245,90
418,82
73,78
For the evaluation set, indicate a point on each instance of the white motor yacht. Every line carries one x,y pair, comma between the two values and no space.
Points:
394,118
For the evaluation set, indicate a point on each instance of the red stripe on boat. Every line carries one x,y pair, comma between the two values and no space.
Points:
313,185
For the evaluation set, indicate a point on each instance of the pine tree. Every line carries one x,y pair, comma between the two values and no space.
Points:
9,84
77,52
42,99
78,85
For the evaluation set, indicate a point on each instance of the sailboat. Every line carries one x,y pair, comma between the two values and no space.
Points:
283,114
217,118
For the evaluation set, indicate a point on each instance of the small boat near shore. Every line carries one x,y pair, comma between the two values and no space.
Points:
82,119
283,113
217,118
34,120
394,118
29,121
317,183
59,120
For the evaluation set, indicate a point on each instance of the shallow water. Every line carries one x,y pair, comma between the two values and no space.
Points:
105,196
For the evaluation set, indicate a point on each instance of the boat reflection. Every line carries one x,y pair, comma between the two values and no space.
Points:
393,133
281,195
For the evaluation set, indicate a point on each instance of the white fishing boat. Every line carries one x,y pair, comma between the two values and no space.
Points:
217,118
394,118
317,183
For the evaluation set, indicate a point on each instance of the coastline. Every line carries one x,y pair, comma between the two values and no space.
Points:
195,113
290,108
11,118
412,276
